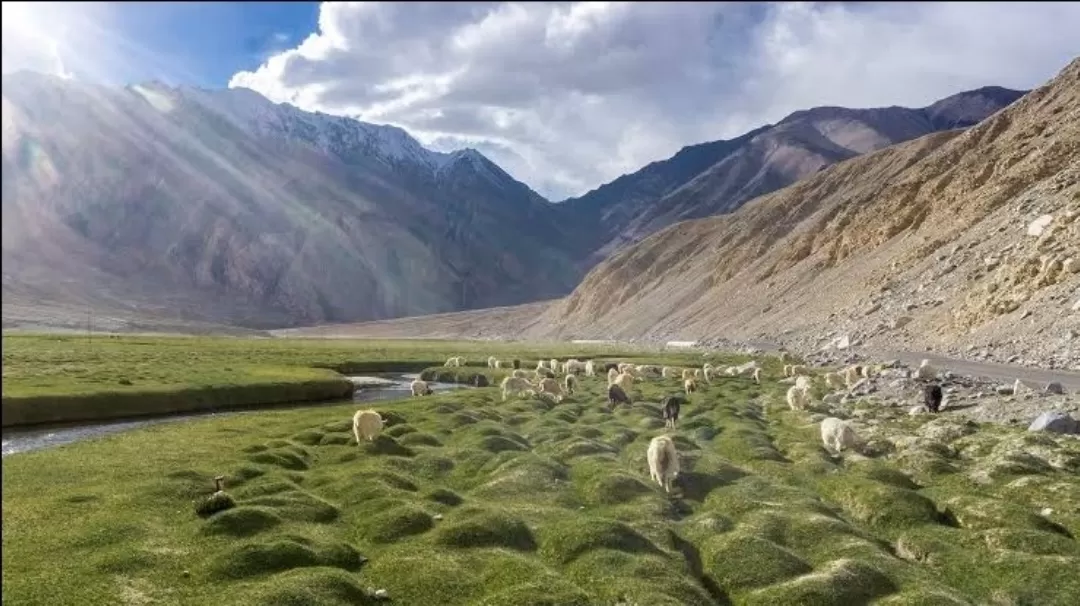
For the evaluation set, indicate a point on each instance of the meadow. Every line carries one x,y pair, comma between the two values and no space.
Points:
63,378
467,499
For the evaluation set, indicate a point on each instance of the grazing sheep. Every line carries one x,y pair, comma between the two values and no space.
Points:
697,373
625,380
569,383
706,374
689,386
491,361
366,424
787,370
799,369
609,366
551,386
450,362
498,363
668,372
516,363
837,434
833,380
731,371
549,397
521,374
554,365
932,397
513,385
866,371
541,365
590,368
616,395
687,373
670,407
850,375
802,382
797,398
926,372
663,461
573,366
707,365
612,373
757,376
420,388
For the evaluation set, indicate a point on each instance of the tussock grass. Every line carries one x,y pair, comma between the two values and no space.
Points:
466,499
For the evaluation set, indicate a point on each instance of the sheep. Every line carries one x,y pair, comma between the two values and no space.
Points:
519,373
624,380
707,365
687,373
366,424
554,365
573,366
731,371
866,371
670,407
706,374
802,382
616,395
625,367
513,385
541,365
549,397
450,362
785,356
787,370
797,398
491,361
420,388
833,380
551,386
799,369
611,375
932,396
850,375
545,373
926,372
663,461
689,386
837,434
569,382
668,372
590,368
610,365
697,373
757,376
498,363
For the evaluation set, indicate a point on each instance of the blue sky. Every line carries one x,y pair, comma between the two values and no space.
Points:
565,96
205,43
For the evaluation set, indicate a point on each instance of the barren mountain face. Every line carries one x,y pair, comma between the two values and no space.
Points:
966,237
224,207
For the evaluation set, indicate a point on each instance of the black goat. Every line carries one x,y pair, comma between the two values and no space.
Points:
671,406
616,395
932,397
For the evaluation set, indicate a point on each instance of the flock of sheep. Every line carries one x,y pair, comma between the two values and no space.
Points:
662,456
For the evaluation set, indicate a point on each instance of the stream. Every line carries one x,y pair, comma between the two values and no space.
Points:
26,439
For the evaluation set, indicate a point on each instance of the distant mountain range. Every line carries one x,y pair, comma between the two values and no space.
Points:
222,207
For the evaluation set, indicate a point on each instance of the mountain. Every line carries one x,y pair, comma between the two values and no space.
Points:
719,177
931,243
222,207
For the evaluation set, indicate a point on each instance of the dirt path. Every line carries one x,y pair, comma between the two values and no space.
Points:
1036,378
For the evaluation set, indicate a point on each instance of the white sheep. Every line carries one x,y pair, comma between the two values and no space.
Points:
519,373
625,367
787,370
851,376
687,373
590,368
926,372
569,383
837,434
797,398
757,376
803,382
669,372
731,371
573,366
450,362
420,388
706,374
697,373
625,380
513,385
799,369
498,363
541,365
833,380
554,365
366,424
689,386
491,361
611,376
663,461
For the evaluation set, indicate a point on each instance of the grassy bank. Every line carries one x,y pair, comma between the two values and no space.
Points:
466,499
62,378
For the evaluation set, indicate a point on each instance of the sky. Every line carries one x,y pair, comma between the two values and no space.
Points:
565,96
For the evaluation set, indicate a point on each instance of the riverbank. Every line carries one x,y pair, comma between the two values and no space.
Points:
64,378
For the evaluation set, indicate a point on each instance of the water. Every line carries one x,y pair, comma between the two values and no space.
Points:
16,439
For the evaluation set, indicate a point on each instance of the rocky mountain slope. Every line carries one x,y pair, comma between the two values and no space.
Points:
719,177
957,239
224,207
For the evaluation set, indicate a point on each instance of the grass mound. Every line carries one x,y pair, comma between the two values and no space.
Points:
466,499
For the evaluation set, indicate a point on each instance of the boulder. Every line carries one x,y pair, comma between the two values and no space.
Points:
1055,422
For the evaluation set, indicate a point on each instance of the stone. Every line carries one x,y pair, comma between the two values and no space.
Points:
1054,388
1055,422
1038,226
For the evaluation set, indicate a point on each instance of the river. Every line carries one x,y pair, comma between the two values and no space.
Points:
25,439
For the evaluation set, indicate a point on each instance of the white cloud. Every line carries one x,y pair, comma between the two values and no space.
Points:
567,96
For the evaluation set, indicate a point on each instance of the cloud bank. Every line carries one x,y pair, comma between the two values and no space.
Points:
567,96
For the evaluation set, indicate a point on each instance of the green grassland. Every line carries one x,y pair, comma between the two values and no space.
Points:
60,378
466,499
